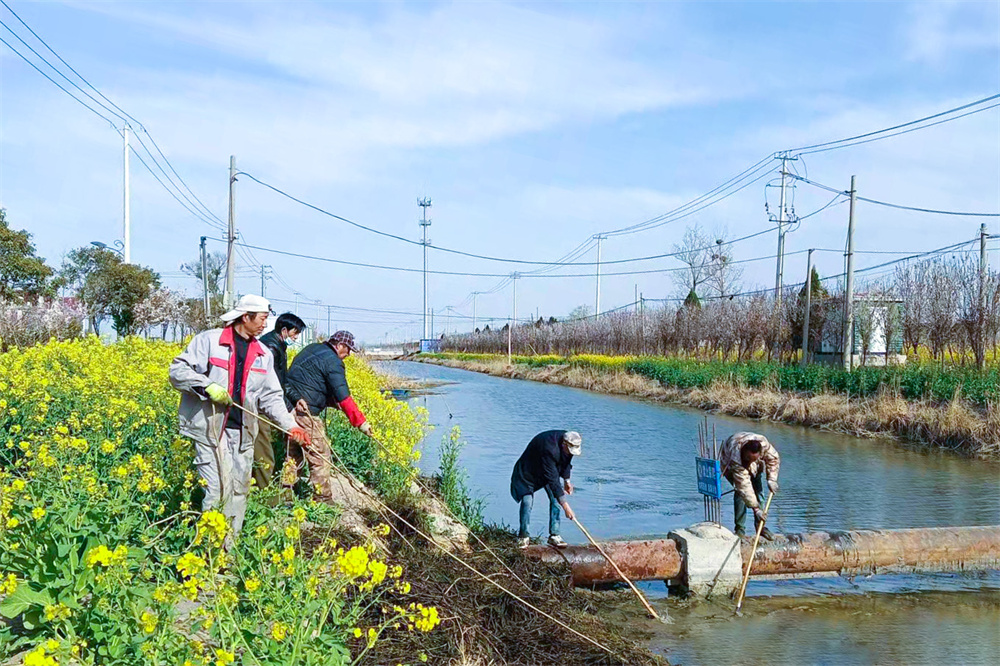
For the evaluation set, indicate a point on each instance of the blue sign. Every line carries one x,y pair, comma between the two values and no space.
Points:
709,477
430,346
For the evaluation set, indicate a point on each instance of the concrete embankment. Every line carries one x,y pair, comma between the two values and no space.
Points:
955,426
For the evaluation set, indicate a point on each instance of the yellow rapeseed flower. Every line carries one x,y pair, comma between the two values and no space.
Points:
102,556
224,657
148,622
37,657
212,525
190,565
57,612
8,585
279,631
354,562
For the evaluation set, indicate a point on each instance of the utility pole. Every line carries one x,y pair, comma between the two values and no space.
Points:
597,302
263,280
983,266
513,318
432,322
642,325
329,325
849,291
475,294
204,281
227,297
805,319
425,203
126,207
779,276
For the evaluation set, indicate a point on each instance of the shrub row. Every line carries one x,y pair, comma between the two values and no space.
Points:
913,382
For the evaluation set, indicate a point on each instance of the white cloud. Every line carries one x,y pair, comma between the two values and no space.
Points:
459,74
942,29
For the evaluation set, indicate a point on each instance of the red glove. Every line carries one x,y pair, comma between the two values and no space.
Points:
300,436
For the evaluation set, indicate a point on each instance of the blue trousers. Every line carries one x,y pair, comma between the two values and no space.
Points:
527,502
740,507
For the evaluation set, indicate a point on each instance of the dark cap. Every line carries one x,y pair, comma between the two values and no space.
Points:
345,338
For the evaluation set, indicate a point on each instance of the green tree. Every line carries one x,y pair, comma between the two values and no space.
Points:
817,313
107,286
77,268
692,300
23,275
116,289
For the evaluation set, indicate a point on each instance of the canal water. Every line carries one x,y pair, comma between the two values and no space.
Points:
636,479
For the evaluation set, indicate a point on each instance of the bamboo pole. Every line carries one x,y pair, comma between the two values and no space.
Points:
620,573
753,551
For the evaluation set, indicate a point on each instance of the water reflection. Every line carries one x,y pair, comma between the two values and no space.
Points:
636,478
926,628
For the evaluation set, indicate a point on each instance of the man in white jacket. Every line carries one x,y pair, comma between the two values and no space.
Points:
220,369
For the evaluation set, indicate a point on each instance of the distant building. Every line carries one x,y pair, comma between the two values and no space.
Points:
872,315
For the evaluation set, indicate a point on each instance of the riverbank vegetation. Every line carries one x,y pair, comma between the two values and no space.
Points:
925,365
104,558
938,311
870,401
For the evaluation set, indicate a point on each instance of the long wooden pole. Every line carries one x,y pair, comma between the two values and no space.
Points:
753,551
620,573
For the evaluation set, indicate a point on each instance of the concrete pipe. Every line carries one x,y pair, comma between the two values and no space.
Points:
857,551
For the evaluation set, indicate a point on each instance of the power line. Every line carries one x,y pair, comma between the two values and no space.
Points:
676,214
193,201
811,148
470,254
57,84
892,205
906,131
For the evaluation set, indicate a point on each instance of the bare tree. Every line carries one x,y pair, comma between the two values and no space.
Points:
865,323
216,264
910,285
694,250
723,275
978,303
941,298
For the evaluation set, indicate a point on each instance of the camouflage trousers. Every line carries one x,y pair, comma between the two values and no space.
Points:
316,455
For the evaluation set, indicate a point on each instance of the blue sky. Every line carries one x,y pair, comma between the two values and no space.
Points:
531,125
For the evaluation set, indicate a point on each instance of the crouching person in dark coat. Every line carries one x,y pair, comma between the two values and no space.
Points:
545,464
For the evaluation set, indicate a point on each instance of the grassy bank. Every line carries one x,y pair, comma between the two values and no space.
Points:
951,409
104,559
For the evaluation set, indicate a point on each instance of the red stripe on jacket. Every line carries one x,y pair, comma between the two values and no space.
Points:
254,350
354,415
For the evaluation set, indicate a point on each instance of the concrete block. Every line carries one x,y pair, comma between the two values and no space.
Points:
713,564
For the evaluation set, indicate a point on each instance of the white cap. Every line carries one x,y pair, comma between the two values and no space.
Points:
573,442
247,304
